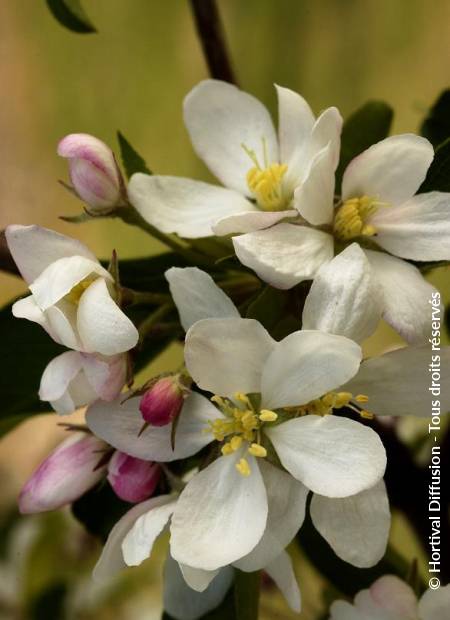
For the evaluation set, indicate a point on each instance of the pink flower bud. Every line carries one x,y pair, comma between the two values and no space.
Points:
132,479
65,475
162,403
93,171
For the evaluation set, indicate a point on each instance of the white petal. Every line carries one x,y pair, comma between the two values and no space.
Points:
197,296
434,604
305,365
391,170
397,383
102,325
34,248
225,356
405,295
314,198
418,229
138,543
58,279
197,578
344,298
62,324
111,560
58,374
220,516
250,221
183,206
389,596
332,456
282,572
183,603
284,255
356,527
295,123
342,610
327,129
287,501
119,425
220,119
107,376
27,308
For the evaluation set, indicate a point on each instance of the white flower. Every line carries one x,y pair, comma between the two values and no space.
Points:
73,379
234,135
378,206
189,593
71,293
390,598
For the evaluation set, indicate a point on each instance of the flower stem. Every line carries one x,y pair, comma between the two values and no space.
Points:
146,325
246,595
211,34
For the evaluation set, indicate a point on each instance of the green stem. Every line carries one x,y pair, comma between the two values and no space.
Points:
131,297
246,595
146,325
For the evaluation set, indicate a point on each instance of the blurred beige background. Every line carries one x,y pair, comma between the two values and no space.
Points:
133,75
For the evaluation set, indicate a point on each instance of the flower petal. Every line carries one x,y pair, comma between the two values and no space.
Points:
220,119
397,383
27,308
107,376
295,123
284,255
434,604
314,198
119,424
184,603
287,501
327,130
250,221
282,572
356,527
225,356
344,298
332,456
62,324
391,170
197,578
102,325
58,279
405,296
418,229
220,515
111,560
138,542
34,248
197,296
306,365
58,374
183,206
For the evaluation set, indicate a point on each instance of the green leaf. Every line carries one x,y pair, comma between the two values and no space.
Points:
132,161
268,307
438,175
368,125
436,126
225,611
246,594
147,274
70,13
99,510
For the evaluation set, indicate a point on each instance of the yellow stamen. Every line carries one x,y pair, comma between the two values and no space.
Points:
236,443
351,218
368,415
243,467
268,416
361,398
257,450
75,294
266,186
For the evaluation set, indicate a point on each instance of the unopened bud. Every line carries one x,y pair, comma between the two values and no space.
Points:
72,469
132,479
162,403
93,171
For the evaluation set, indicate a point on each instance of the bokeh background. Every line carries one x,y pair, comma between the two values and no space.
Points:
132,76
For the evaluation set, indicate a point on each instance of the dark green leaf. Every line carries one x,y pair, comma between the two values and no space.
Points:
26,350
132,161
438,175
225,611
246,595
71,14
436,126
368,125
99,510
268,307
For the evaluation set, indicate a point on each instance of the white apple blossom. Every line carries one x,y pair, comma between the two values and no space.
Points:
72,295
390,598
234,135
74,379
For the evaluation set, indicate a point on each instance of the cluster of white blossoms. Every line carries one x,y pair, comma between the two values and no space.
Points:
277,426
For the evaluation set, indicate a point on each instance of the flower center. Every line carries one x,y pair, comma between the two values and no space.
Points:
266,182
74,295
351,219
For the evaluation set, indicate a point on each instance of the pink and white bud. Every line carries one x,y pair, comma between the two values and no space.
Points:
162,403
93,171
132,479
70,470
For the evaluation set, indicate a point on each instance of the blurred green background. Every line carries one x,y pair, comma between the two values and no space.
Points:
132,76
